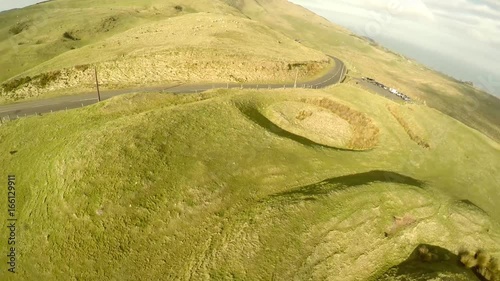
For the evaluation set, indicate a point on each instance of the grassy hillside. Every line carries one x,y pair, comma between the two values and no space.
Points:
54,47
51,48
302,184
196,187
459,100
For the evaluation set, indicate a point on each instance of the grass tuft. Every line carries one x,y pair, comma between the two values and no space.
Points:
303,114
481,262
82,67
46,78
71,36
19,27
12,85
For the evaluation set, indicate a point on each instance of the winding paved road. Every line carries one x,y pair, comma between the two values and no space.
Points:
16,110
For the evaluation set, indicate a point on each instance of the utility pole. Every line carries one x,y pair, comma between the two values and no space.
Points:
97,85
296,76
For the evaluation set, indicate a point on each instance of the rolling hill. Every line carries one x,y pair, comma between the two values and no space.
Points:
290,184
153,43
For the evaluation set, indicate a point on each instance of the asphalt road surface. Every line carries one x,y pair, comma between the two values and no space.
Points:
17,110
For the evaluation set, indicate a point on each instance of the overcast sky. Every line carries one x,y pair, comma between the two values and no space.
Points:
460,37
11,4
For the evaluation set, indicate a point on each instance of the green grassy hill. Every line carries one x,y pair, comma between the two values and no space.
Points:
470,106
52,48
247,184
165,187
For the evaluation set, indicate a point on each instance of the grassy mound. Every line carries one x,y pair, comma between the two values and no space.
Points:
470,106
312,122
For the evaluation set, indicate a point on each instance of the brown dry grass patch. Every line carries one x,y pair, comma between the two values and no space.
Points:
481,262
410,129
365,133
312,122
303,114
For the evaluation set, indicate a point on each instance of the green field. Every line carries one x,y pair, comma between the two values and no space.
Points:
240,184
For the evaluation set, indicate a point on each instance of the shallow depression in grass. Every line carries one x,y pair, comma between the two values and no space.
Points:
325,122
310,121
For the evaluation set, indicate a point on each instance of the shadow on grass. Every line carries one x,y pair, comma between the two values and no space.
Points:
471,205
257,117
437,264
328,185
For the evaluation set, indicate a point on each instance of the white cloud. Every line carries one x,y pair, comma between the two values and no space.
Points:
465,32
8,4
396,8
401,8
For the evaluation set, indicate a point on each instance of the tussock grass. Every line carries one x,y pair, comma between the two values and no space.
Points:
41,80
71,36
46,78
20,27
303,114
15,84
481,262
82,67
429,262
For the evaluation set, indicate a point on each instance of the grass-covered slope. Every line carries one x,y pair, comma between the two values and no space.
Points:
54,47
51,48
213,186
160,187
470,106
